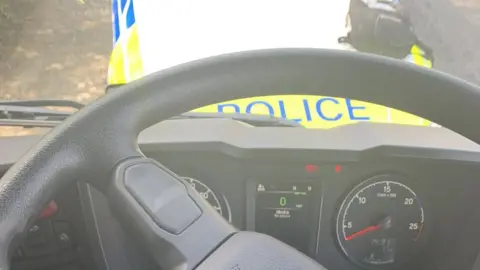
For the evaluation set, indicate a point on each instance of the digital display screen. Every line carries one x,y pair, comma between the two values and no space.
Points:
284,211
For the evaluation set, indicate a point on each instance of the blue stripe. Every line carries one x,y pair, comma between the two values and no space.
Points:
116,21
130,15
128,11
123,3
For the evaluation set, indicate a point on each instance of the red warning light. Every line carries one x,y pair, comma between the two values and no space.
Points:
50,210
311,168
338,168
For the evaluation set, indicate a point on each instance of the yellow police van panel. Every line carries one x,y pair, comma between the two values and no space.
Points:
125,61
317,111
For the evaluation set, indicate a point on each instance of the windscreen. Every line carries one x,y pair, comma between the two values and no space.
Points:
75,49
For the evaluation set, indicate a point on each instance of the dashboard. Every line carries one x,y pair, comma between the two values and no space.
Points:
365,196
388,213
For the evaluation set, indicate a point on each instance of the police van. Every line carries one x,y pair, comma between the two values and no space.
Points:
152,35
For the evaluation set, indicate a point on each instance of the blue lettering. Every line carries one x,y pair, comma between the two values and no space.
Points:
322,115
307,110
283,113
269,107
220,107
351,109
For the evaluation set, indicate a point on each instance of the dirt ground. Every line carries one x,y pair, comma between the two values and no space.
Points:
53,49
60,48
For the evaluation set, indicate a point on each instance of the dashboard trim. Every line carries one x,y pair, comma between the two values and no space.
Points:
319,224
250,205
91,223
340,144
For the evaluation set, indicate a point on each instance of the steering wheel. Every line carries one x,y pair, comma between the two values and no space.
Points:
180,230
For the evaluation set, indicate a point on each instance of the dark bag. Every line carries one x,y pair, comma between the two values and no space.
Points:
379,31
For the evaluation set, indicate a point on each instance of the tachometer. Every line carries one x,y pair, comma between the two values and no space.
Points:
380,222
218,202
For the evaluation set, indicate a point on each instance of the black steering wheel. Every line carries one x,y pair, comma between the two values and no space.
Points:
99,144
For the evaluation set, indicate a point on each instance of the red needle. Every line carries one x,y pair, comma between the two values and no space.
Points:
364,231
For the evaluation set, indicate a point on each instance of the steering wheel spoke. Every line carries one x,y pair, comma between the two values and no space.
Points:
165,214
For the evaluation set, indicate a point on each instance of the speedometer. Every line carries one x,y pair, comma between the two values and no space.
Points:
380,222
218,202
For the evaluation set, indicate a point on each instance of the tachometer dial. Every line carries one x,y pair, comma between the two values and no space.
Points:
218,202
380,222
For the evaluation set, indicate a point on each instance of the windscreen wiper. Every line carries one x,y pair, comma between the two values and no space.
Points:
251,119
33,113
43,103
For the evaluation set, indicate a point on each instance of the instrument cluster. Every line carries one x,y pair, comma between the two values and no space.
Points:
379,222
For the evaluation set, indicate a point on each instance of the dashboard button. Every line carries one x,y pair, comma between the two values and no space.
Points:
40,240
37,236
64,234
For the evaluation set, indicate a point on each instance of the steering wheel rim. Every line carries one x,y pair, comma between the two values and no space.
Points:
90,144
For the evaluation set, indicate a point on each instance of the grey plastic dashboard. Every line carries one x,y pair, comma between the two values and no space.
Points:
346,143
233,136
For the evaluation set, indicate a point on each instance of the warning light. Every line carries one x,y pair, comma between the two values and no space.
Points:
311,168
338,168
50,210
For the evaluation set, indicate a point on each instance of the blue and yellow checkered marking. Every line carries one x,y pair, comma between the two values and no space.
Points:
123,17
125,61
